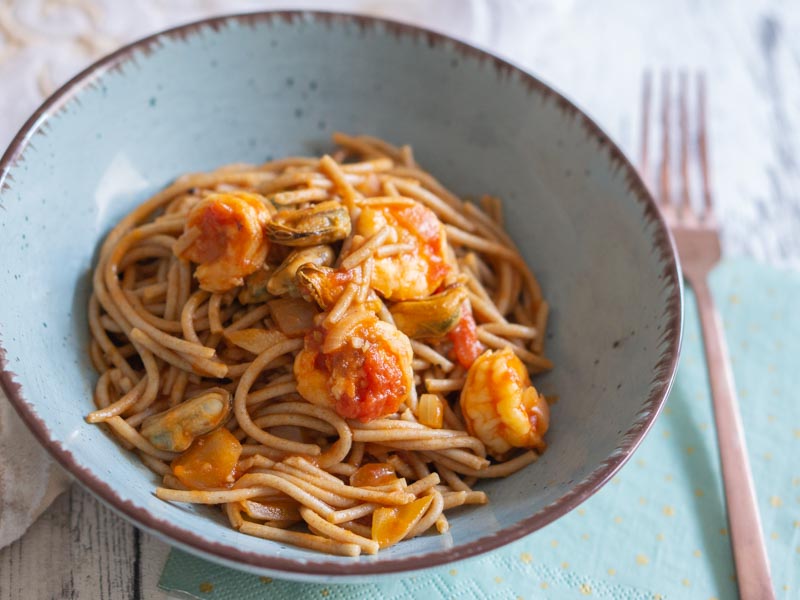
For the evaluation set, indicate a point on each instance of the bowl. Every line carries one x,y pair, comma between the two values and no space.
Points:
251,87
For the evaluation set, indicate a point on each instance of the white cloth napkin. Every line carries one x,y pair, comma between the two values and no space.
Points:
29,480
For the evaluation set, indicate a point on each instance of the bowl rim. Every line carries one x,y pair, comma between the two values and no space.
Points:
140,516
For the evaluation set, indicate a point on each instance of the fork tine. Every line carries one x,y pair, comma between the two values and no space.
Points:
702,144
664,187
685,205
644,163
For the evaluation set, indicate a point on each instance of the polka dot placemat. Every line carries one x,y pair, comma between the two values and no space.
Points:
658,530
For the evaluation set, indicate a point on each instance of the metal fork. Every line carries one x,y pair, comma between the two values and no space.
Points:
696,235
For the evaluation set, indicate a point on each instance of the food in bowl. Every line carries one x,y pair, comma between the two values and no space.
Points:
337,343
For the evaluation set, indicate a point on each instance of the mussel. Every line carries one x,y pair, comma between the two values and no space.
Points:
175,429
282,280
254,290
430,317
320,224
321,284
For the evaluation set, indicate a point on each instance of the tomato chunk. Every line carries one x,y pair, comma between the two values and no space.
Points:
373,474
364,374
377,382
210,462
465,338
391,524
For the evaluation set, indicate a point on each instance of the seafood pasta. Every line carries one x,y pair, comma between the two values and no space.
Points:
332,350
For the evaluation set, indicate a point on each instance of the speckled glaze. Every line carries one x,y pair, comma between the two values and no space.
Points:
253,87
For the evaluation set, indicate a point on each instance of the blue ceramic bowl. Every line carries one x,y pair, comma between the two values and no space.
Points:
252,87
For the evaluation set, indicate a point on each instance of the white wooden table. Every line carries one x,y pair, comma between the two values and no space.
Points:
595,54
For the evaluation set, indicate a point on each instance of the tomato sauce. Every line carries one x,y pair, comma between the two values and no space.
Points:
373,474
465,338
376,383
369,381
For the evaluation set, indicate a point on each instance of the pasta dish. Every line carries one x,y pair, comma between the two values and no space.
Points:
332,350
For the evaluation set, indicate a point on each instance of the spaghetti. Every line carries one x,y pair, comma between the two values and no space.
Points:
332,350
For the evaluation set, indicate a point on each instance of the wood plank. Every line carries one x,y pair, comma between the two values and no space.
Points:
77,549
153,554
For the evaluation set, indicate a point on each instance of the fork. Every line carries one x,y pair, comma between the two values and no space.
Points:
696,235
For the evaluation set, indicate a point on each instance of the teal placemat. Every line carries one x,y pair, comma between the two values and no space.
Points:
658,530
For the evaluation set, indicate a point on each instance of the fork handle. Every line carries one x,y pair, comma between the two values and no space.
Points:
749,552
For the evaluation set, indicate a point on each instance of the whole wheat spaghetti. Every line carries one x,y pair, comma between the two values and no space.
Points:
331,350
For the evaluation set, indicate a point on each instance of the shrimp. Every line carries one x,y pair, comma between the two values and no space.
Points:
360,367
224,233
501,407
413,274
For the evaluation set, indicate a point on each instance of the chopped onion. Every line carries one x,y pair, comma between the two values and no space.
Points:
293,316
430,411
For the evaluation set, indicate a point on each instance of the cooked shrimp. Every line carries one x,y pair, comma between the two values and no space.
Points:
413,274
225,234
501,407
360,366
